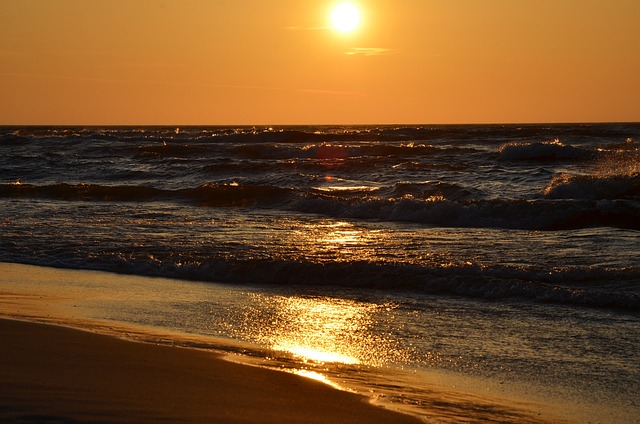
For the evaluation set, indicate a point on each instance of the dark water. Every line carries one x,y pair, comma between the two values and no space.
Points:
499,250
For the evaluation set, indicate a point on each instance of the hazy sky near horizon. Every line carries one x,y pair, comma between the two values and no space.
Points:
227,62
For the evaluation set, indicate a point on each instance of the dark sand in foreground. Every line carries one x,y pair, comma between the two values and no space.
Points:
56,374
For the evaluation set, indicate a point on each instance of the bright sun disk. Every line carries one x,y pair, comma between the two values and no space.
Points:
345,17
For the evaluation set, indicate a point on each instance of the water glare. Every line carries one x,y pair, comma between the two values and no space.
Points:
322,329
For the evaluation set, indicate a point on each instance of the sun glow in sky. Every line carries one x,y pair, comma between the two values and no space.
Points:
275,62
345,17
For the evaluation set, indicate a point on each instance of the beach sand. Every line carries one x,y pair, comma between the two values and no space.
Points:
55,374
58,365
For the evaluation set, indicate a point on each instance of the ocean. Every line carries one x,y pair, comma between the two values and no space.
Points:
505,258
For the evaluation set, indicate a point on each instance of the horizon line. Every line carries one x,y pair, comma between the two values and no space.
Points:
185,125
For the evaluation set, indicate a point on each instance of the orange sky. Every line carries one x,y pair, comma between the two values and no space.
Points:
228,62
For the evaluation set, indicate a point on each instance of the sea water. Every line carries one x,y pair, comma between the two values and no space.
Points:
501,254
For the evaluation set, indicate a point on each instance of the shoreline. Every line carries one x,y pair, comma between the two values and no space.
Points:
72,300
57,374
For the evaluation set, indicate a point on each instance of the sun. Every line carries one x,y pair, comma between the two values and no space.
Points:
345,17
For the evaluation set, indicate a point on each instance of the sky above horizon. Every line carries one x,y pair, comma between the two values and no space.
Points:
276,62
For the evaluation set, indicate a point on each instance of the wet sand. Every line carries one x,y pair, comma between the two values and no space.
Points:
56,374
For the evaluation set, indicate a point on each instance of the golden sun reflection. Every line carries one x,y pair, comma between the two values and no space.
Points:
317,376
341,236
337,242
315,355
322,329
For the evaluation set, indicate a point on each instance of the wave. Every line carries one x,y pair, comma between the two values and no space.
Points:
219,195
587,286
430,190
319,151
543,151
491,134
174,150
340,151
63,191
593,187
501,213
332,148
236,195
247,134
431,203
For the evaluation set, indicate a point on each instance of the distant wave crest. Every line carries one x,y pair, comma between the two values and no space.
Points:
543,151
212,194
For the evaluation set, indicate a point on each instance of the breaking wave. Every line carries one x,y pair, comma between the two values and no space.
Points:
573,286
593,187
510,214
599,202
543,151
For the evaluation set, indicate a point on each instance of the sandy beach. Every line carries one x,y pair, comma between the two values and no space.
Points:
59,365
56,374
